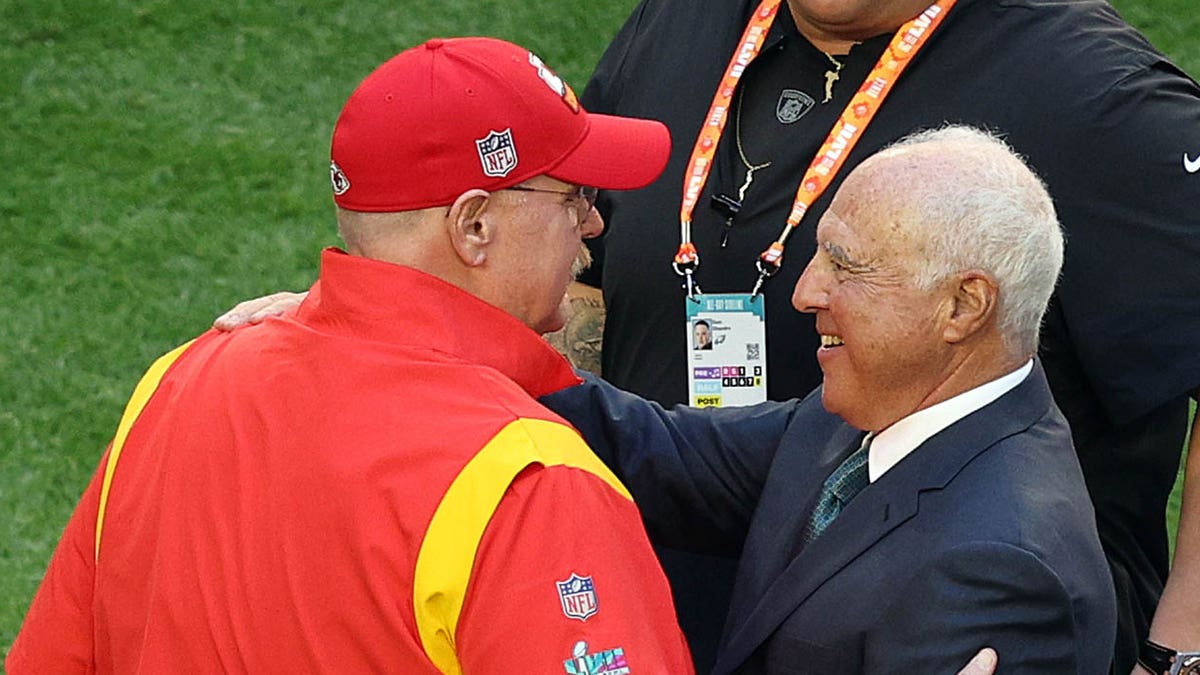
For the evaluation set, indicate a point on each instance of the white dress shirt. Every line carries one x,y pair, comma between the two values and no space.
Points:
895,442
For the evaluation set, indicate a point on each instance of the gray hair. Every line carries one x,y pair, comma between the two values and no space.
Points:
983,208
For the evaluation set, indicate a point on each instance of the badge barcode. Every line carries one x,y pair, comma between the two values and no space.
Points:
752,352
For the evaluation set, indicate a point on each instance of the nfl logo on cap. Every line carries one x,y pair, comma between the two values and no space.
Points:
500,96
497,153
578,597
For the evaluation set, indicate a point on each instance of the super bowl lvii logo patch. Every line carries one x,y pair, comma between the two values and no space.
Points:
578,597
497,153
606,662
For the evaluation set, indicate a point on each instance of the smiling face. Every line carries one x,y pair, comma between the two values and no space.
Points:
882,349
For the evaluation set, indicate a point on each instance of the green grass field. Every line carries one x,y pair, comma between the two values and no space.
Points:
166,159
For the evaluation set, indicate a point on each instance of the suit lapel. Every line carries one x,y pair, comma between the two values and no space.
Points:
769,550
870,516
876,511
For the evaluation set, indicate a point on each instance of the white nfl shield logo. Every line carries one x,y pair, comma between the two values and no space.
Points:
497,153
578,597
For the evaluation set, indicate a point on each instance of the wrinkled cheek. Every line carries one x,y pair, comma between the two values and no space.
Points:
843,382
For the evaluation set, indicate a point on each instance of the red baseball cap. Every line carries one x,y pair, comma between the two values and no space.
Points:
455,114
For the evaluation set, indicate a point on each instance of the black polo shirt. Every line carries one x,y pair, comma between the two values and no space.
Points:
1101,115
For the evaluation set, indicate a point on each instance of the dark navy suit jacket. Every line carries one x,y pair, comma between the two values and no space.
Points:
984,535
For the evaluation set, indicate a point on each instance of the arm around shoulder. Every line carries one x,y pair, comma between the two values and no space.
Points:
695,473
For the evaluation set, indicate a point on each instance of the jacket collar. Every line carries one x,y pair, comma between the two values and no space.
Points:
378,301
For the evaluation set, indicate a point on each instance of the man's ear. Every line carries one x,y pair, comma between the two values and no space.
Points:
975,295
470,227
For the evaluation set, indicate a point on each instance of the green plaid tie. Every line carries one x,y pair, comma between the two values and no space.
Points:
841,486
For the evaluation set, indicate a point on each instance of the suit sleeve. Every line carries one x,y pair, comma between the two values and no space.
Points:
56,636
978,595
695,473
565,525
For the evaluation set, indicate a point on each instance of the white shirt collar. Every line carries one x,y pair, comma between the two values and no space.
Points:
895,442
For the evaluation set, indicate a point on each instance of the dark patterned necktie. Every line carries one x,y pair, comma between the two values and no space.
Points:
843,484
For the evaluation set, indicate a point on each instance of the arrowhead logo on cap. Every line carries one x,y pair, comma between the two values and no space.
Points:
336,177
556,83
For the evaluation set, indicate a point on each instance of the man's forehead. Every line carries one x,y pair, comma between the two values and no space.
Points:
829,223
865,236
833,228
869,208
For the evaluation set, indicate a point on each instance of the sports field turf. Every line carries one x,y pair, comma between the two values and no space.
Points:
163,160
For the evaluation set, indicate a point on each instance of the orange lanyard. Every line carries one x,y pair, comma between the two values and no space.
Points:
842,138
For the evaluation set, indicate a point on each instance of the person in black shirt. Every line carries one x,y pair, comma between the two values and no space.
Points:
1105,119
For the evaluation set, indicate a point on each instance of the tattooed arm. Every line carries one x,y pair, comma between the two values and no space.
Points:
580,339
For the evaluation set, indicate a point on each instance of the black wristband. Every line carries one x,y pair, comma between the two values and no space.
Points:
1156,658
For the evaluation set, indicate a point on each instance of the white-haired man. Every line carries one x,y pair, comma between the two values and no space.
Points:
926,499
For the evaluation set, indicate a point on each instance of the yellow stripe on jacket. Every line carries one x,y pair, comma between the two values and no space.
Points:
448,551
141,396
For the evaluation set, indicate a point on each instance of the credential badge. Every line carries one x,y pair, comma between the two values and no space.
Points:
578,597
338,179
497,153
792,105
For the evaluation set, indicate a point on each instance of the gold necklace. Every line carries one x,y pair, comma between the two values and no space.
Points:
727,205
737,136
831,76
